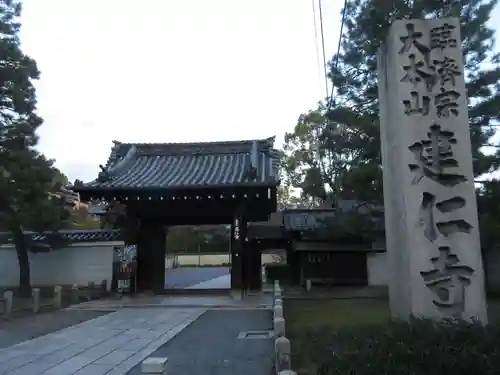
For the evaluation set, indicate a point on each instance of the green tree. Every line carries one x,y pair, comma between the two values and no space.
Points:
488,207
355,76
28,181
193,239
116,217
330,160
82,220
337,145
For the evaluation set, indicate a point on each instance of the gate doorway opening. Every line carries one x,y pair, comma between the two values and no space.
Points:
198,258
164,185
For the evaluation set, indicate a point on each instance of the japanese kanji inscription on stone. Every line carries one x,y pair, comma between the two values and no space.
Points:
430,209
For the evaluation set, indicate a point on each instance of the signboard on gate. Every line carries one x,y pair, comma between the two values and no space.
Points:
125,264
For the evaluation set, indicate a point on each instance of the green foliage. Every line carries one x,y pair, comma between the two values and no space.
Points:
367,23
339,147
86,223
421,347
188,239
275,271
326,158
488,206
116,217
28,181
363,221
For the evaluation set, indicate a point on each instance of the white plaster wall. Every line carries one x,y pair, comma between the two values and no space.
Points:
207,259
377,268
76,264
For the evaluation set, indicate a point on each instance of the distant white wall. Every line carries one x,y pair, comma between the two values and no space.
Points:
207,259
76,264
376,264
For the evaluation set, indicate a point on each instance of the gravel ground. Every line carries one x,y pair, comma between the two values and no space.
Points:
25,328
210,346
182,277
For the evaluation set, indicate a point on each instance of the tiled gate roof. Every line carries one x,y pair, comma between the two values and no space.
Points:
184,165
72,236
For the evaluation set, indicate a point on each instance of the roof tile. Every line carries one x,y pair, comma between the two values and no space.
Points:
73,236
177,165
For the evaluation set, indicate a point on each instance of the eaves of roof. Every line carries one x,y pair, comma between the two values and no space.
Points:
191,165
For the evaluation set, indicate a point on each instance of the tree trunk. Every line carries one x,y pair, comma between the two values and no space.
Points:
23,261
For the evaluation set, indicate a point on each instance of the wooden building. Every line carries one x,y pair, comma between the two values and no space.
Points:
166,184
323,250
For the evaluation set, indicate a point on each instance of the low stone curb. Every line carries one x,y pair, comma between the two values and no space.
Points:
212,307
92,291
282,345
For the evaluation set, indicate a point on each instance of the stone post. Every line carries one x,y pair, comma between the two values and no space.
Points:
277,292
278,311
154,366
431,220
287,372
279,326
35,294
58,297
282,350
75,294
8,296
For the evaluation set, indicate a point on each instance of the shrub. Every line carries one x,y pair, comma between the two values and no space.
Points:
277,272
421,347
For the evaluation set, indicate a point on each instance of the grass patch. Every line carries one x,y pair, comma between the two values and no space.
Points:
318,327
304,317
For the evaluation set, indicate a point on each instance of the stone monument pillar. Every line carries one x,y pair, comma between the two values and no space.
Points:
430,206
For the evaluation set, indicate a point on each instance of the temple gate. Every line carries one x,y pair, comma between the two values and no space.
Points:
167,184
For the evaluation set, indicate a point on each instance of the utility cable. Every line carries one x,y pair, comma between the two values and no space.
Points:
325,66
318,62
331,102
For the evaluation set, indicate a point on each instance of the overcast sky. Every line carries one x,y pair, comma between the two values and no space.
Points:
171,71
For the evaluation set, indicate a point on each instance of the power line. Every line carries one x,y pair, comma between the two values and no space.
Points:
323,46
332,95
316,39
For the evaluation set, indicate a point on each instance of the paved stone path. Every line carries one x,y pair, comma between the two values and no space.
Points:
182,277
111,344
210,346
221,282
14,331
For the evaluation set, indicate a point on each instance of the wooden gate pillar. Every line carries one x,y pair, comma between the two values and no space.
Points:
151,251
293,261
238,236
254,267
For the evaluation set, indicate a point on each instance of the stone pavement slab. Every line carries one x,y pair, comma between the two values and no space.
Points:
14,331
260,300
182,277
211,345
221,282
111,344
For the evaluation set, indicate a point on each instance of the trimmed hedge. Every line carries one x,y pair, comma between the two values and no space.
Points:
422,347
280,272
